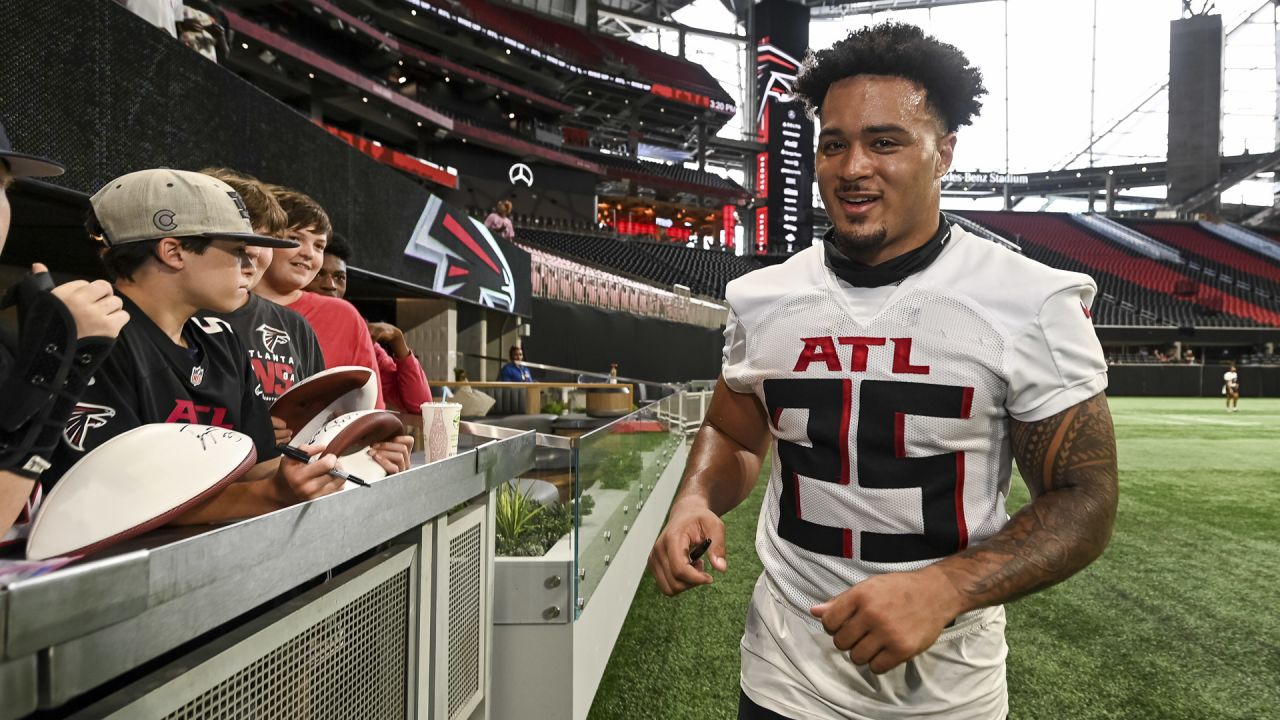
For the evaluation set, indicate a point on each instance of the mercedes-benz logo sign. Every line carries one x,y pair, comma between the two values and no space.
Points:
522,173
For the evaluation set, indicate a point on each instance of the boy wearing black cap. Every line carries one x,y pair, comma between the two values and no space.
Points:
64,334
175,244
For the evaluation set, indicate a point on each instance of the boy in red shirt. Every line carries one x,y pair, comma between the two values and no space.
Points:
343,334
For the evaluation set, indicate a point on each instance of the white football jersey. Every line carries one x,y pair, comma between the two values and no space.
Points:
889,406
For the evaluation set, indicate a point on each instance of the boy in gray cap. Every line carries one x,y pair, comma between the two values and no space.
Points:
175,245
64,333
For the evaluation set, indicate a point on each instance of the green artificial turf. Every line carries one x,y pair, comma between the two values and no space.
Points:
1179,619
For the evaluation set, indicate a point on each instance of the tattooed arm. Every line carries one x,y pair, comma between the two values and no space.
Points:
1069,463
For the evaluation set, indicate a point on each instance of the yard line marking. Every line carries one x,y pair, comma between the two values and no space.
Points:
1142,418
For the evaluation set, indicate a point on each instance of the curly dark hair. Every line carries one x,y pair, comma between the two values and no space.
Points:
951,84
339,248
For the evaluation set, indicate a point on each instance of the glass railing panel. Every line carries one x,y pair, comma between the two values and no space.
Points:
618,466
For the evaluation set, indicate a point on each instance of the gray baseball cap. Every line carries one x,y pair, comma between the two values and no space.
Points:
23,165
161,203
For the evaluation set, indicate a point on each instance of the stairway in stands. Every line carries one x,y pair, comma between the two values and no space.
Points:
1125,279
1221,264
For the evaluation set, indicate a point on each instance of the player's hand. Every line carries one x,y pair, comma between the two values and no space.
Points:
392,455
297,481
97,310
690,523
888,619
282,431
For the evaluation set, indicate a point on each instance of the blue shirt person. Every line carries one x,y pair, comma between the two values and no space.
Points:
515,371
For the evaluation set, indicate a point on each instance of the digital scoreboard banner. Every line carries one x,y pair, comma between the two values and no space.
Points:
784,173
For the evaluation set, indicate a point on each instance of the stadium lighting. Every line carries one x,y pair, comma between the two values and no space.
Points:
446,78
419,123
244,45
413,12
588,92
508,51
400,63
403,79
311,76
1144,168
1077,174
511,116
366,99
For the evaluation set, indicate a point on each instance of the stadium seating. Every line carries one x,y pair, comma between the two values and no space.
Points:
1234,269
1141,287
704,272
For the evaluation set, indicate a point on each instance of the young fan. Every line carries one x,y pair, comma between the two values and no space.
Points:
175,243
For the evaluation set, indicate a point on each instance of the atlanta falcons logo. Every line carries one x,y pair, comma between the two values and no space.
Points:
272,337
468,262
85,417
775,75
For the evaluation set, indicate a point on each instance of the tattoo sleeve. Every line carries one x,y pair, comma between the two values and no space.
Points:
1069,464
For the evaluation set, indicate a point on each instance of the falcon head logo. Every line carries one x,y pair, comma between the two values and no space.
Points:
272,338
469,262
85,417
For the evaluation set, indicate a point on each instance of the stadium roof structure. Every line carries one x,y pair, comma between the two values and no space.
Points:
648,10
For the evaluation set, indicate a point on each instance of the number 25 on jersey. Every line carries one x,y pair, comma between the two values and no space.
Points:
879,461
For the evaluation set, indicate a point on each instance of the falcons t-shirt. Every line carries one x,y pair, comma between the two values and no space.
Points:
281,346
889,406
148,378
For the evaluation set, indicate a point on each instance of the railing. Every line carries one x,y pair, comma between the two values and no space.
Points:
380,602
401,630
982,232
1129,237
558,614
1244,238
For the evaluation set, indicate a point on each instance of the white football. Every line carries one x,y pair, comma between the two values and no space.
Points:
135,482
348,435
307,406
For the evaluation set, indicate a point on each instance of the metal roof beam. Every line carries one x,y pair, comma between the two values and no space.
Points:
838,9
629,17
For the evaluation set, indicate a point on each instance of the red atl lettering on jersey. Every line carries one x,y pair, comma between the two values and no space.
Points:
823,350
185,411
274,377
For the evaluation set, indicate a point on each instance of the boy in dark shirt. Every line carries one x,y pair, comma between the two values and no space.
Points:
281,345
176,245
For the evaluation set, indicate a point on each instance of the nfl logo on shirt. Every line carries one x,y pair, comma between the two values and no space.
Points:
197,375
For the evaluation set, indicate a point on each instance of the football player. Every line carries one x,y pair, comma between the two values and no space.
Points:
1231,388
65,332
895,369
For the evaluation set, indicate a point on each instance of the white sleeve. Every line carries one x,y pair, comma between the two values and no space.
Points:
1057,361
734,356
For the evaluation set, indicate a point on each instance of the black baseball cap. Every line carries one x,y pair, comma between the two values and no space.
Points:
23,165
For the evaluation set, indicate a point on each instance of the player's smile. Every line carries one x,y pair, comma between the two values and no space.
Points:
858,204
880,143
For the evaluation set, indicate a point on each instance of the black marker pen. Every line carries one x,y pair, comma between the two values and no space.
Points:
699,550
300,456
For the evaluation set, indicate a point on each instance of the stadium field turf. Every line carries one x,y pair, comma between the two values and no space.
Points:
1180,619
